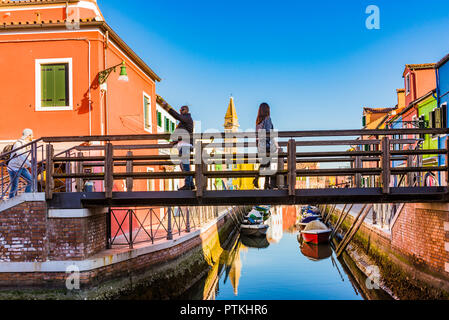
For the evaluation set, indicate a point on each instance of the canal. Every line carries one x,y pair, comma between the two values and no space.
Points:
280,267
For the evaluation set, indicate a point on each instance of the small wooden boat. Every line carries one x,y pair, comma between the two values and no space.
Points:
316,232
254,229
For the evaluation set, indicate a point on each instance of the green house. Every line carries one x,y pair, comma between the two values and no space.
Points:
430,117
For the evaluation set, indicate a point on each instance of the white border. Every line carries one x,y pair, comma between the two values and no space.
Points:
409,84
38,64
150,129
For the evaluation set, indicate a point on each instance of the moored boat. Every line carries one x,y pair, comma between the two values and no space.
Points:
316,232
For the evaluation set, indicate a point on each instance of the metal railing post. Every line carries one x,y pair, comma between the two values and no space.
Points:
386,165
108,228
188,220
130,226
169,225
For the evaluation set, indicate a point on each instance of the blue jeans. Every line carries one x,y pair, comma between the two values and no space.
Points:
185,165
14,178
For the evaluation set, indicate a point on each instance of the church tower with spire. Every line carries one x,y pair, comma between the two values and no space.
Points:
231,120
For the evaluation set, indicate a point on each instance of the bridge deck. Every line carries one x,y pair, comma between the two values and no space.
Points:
250,197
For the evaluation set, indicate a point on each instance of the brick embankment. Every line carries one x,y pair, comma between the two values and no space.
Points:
412,256
39,246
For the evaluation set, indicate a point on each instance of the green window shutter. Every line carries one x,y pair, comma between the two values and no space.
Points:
54,85
172,127
165,124
159,119
438,118
363,121
432,119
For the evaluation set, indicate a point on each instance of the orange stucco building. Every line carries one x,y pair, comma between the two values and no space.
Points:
52,53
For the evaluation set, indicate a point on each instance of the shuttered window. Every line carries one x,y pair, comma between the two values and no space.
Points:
172,127
147,112
55,85
167,125
159,119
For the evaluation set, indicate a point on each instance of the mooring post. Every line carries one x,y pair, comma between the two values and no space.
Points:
291,150
351,233
169,226
129,170
385,165
49,182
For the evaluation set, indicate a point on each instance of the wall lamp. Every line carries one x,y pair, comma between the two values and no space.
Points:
103,75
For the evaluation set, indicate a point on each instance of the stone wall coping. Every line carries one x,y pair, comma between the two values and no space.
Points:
75,213
21,198
106,257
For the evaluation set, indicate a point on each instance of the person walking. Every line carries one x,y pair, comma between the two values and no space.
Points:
265,146
20,163
184,127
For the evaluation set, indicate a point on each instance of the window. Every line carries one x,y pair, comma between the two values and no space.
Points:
363,121
172,126
407,84
150,182
54,87
167,124
147,112
159,119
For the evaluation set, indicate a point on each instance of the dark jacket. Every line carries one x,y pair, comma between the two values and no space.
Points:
266,125
185,123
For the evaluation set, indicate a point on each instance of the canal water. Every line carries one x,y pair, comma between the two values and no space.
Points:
281,267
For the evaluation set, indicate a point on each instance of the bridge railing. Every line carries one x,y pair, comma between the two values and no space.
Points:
126,163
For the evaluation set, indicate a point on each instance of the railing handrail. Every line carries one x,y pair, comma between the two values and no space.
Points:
252,134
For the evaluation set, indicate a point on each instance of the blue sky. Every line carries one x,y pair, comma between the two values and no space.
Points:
314,62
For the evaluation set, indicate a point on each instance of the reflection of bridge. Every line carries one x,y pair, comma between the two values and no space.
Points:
61,166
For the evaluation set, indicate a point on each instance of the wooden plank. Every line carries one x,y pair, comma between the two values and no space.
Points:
129,169
199,177
79,166
386,165
49,182
109,170
291,167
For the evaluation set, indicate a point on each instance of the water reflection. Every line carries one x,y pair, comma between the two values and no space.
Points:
277,267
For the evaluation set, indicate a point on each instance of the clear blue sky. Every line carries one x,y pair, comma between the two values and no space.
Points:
314,62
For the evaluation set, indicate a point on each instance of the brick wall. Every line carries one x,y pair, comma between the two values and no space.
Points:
28,235
76,238
419,233
23,233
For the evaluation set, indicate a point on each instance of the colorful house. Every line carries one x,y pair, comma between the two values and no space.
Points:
442,78
62,62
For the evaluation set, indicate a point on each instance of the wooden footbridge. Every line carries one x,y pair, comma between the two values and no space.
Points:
114,171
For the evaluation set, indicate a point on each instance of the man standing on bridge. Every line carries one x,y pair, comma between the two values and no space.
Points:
184,127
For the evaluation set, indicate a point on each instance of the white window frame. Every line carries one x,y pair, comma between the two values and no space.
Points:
38,64
151,186
150,129
408,84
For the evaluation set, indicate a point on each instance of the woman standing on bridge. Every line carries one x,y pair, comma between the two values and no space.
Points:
265,147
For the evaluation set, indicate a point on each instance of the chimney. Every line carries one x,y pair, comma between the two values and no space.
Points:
401,98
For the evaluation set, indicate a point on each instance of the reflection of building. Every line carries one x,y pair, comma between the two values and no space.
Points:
275,232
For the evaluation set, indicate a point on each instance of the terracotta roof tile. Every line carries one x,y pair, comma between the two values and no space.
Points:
378,110
420,66
4,3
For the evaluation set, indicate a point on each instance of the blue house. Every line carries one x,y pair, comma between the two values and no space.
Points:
442,79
